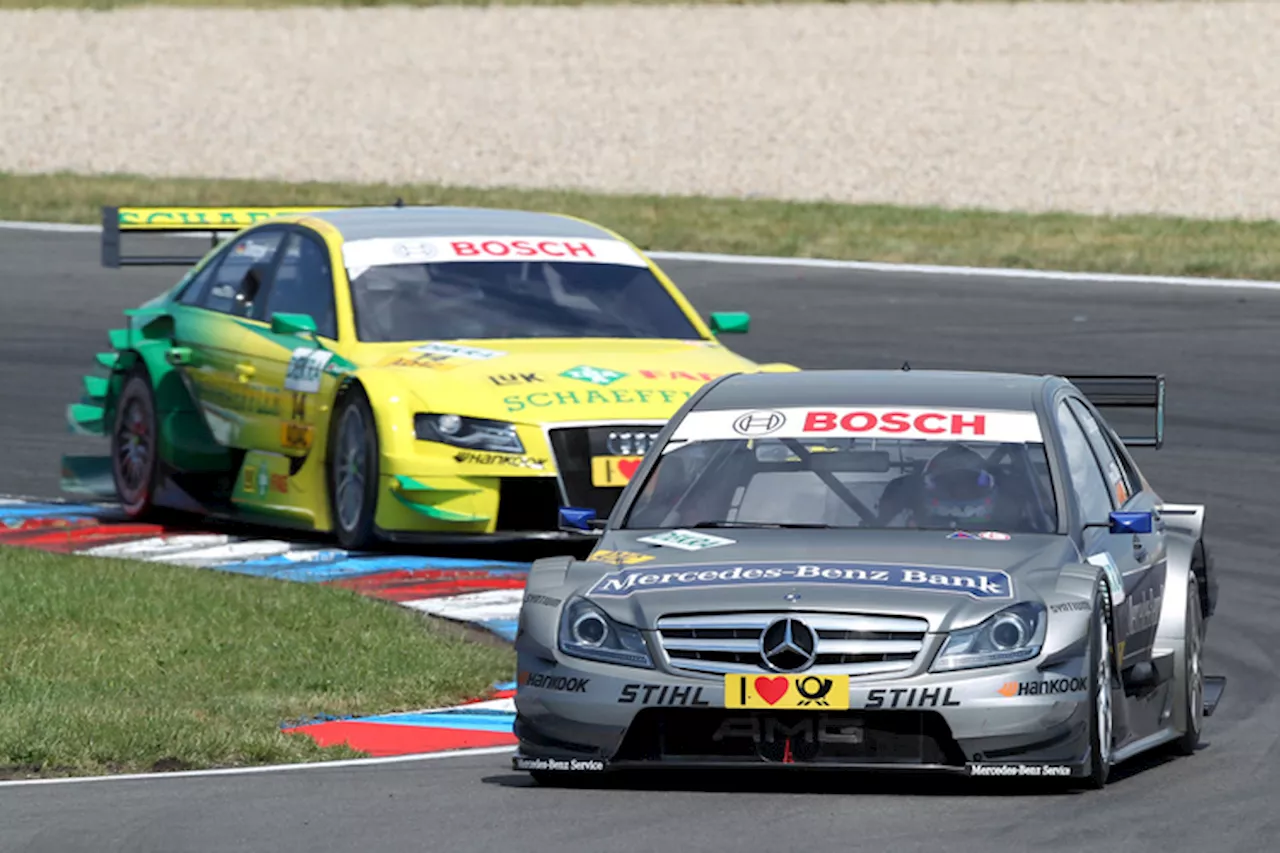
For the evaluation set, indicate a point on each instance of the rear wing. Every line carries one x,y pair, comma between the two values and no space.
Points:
1126,396
118,221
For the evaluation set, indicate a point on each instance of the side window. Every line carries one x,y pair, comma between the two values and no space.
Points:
303,284
254,252
193,293
1086,477
1117,480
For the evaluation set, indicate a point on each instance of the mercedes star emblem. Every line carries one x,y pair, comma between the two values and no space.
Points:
788,645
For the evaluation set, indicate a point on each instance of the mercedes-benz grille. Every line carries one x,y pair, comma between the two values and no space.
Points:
841,643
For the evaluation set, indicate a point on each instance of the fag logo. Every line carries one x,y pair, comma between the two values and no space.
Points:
594,375
691,376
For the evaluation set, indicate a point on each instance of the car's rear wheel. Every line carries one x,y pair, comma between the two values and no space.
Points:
353,469
1192,672
135,450
1101,678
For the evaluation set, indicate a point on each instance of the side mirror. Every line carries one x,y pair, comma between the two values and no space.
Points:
576,519
292,324
1130,522
730,322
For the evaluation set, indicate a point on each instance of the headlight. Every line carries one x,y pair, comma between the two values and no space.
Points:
586,631
473,433
1012,635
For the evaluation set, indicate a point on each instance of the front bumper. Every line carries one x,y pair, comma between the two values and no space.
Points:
432,492
998,721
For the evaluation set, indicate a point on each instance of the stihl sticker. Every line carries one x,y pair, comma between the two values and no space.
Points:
864,422
359,255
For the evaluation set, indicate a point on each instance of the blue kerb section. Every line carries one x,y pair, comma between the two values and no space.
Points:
46,510
342,566
476,721
505,685
504,628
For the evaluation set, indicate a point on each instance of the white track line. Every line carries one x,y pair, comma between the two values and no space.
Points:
51,227
821,263
472,606
269,768
157,548
985,272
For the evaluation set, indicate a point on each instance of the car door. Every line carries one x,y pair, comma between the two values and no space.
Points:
210,339
301,283
1144,577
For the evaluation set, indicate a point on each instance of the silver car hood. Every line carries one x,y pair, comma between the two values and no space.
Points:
948,581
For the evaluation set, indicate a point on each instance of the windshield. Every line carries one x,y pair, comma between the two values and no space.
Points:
971,486
513,299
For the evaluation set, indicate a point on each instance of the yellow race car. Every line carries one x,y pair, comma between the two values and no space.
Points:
392,373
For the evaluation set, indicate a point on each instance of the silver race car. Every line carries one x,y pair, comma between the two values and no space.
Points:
923,570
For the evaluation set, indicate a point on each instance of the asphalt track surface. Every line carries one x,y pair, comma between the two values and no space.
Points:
1218,348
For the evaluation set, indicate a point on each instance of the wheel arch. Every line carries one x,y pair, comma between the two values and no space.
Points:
185,441
1077,581
546,593
170,396
392,405
1184,529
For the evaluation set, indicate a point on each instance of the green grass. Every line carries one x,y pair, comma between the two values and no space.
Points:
117,665
1128,244
266,4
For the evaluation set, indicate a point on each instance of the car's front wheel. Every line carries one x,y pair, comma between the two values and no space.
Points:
135,451
1101,676
353,469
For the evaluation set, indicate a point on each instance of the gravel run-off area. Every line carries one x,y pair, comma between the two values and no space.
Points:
1161,107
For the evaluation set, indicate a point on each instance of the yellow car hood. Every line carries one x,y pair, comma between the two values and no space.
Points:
553,381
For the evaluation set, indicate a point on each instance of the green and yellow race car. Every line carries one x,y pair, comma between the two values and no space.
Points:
397,373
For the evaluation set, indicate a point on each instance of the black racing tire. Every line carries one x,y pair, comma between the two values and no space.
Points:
352,469
1192,672
1202,568
135,445
1102,676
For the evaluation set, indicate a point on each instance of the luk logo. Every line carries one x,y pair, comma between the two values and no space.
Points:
759,423
505,379
594,375
1052,687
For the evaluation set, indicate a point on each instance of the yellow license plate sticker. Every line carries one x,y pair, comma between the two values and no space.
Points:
786,691
613,471
295,436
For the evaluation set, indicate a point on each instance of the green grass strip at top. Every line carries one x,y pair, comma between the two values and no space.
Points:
1058,241
118,665
270,4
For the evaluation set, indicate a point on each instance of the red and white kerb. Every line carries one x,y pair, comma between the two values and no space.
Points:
917,424
362,254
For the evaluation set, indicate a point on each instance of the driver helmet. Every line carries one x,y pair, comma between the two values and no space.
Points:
957,488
